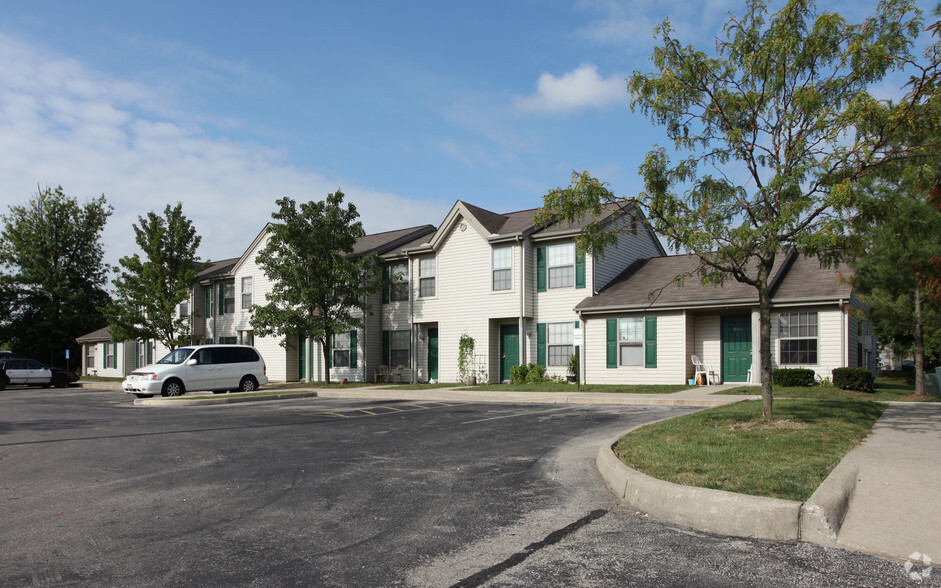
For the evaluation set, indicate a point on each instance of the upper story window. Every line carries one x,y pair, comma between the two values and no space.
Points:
228,297
502,268
246,292
561,262
184,309
426,276
399,275
631,341
798,334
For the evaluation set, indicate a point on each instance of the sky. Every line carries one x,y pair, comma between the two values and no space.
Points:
405,106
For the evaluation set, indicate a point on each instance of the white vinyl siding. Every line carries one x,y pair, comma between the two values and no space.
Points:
672,354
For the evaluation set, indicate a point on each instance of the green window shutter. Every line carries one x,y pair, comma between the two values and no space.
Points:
220,301
353,348
208,302
650,342
115,348
579,267
612,332
386,289
386,350
541,344
541,278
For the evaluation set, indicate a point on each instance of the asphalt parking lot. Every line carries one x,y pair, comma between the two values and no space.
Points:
317,492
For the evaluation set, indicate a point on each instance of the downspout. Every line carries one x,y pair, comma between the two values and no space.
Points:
844,351
582,362
413,335
522,319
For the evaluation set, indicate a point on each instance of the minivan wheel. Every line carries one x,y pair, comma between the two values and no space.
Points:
60,382
172,388
248,384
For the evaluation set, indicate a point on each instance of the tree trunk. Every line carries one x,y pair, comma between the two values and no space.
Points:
919,342
764,350
326,359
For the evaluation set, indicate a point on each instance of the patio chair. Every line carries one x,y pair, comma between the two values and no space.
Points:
381,373
709,374
397,373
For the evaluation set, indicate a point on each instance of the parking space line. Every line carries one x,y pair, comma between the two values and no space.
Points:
514,415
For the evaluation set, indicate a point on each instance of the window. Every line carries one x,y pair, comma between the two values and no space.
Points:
228,298
89,356
426,277
229,340
246,292
341,350
109,356
560,343
798,334
631,341
184,309
502,268
561,265
399,345
399,273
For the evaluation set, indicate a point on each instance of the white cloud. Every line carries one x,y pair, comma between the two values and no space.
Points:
63,123
578,89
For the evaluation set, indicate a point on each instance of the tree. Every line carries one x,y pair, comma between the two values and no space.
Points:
773,112
318,287
53,274
148,292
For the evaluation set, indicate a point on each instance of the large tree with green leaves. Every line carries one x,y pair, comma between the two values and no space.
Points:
318,287
148,291
766,128
53,275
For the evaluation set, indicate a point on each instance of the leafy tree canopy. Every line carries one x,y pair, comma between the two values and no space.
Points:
318,287
148,291
768,124
53,275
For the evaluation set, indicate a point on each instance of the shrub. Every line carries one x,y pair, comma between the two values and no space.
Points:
793,377
537,373
518,374
853,378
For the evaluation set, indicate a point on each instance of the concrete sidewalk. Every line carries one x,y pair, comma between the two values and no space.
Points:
895,506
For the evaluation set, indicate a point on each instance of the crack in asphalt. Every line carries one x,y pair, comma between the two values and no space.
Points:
519,557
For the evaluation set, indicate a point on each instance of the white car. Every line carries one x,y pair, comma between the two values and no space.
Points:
200,367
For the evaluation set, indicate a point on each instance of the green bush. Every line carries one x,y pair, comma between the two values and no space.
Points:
793,377
853,378
537,374
518,374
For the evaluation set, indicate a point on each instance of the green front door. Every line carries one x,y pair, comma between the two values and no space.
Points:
736,348
433,353
301,359
509,349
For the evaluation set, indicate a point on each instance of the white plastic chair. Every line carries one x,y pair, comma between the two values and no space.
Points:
709,374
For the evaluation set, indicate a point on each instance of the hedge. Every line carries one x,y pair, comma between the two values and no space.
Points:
793,377
853,378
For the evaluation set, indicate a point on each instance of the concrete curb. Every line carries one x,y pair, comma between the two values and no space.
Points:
726,513
218,400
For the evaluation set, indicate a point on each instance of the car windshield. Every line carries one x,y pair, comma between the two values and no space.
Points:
178,356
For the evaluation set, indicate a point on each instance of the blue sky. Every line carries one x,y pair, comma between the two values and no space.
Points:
405,106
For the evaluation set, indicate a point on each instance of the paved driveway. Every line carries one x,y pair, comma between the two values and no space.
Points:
94,491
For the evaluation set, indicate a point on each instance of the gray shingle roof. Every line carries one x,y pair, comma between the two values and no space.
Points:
382,243
649,284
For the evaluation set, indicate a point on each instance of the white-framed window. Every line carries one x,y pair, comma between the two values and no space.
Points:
399,346
399,274
631,341
110,360
89,356
341,350
560,342
228,340
502,268
426,277
246,292
561,264
797,332
184,309
228,296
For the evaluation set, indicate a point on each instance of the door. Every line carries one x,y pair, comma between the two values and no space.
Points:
302,359
736,348
509,350
202,374
433,353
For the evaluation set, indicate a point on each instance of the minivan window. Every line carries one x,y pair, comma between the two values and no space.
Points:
177,357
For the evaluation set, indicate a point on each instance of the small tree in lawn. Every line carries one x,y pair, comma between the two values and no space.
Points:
149,291
318,289
773,112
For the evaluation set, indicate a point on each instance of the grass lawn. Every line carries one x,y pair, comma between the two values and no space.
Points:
566,387
730,448
98,379
894,386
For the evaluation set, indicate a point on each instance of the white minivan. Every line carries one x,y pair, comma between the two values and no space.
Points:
200,367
